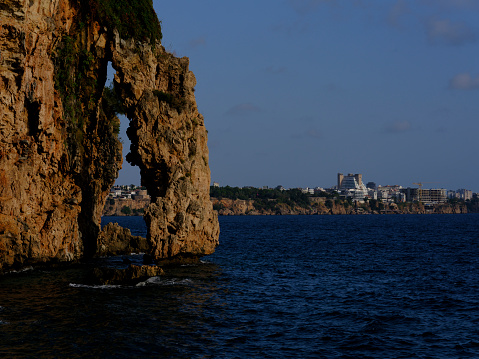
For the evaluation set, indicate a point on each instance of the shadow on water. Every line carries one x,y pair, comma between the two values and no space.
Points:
44,313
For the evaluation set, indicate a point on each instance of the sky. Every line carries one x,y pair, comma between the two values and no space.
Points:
295,91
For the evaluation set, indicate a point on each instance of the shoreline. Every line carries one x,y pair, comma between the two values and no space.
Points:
237,207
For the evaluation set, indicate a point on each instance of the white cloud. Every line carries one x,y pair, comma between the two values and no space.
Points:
311,133
399,9
455,4
243,109
314,133
199,41
275,70
464,81
303,7
449,33
296,27
398,127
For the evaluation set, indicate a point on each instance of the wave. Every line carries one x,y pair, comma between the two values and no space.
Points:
165,282
199,263
99,286
158,281
26,269
2,322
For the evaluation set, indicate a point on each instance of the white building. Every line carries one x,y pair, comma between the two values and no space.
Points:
373,194
307,190
115,192
464,194
352,186
391,193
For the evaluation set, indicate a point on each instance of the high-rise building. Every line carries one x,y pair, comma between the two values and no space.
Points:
340,180
464,194
352,186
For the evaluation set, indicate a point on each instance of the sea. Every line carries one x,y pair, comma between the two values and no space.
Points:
369,286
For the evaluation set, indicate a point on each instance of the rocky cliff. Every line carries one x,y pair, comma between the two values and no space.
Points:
59,150
320,206
125,207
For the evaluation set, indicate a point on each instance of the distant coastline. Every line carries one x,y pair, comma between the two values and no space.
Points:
321,206
278,201
253,202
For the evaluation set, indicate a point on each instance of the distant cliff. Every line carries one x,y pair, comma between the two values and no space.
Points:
125,207
59,147
314,206
323,206
254,201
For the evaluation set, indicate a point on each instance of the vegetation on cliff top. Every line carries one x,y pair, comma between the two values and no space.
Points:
177,103
133,19
76,69
264,198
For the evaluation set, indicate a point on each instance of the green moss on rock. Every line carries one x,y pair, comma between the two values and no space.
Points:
177,103
132,18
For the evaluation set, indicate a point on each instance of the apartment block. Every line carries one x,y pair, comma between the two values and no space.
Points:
426,196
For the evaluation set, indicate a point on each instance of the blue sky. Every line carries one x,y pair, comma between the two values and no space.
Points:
295,91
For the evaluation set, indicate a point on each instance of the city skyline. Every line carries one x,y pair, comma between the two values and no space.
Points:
294,91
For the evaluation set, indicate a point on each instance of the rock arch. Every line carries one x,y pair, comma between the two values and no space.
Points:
59,153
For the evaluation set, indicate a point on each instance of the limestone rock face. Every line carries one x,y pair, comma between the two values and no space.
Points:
59,150
39,201
131,275
169,145
115,240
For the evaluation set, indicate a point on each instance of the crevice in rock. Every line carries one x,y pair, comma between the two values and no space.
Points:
172,230
156,179
101,158
33,111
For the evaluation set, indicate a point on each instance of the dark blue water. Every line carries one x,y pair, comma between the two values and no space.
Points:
398,286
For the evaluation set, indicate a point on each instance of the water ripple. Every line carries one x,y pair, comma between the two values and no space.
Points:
282,287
